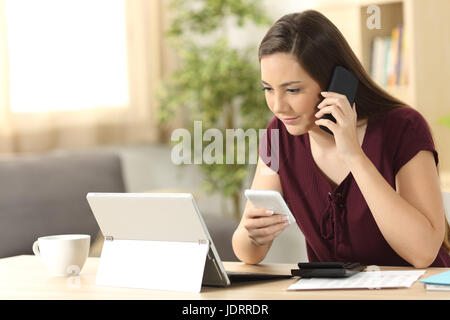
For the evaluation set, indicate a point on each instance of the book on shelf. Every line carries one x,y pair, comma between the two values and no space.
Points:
388,59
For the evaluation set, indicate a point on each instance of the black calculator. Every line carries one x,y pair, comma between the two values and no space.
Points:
327,269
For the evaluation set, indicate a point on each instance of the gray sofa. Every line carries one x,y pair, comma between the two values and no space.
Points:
46,194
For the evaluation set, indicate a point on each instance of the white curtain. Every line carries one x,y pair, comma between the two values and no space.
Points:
133,123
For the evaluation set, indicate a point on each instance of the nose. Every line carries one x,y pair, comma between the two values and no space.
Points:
279,104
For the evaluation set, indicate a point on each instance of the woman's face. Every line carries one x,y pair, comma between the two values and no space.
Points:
291,94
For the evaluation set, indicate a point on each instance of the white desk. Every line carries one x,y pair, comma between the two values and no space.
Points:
25,277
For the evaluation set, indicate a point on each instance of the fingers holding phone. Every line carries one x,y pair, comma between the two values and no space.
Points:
262,225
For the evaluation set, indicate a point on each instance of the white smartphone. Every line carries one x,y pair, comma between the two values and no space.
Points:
271,200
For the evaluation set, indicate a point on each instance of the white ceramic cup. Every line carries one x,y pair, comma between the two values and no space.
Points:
64,255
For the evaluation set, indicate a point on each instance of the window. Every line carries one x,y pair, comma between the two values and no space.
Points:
66,54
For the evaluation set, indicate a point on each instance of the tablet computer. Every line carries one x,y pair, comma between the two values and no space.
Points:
165,217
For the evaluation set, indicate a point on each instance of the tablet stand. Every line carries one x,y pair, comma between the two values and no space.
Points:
157,265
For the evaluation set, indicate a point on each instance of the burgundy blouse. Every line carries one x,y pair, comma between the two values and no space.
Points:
337,222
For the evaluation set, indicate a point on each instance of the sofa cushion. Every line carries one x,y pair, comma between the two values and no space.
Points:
221,231
46,195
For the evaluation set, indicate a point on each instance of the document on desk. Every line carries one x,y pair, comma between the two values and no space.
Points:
361,280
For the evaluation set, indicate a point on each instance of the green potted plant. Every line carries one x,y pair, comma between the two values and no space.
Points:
445,121
215,83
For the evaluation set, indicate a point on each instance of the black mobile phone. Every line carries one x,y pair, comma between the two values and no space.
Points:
344,82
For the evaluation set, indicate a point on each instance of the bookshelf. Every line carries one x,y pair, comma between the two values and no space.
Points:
426,28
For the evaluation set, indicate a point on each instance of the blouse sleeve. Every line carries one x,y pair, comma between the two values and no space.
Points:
265,144
415,135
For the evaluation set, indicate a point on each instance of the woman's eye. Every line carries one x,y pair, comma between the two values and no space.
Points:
293,90
266,89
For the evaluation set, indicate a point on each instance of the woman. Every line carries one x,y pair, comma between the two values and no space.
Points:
369,193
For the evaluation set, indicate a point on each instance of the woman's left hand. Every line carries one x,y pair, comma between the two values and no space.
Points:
344,129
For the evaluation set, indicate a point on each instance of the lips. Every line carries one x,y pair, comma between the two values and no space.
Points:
289,120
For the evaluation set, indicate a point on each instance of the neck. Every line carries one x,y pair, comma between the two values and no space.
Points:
321,138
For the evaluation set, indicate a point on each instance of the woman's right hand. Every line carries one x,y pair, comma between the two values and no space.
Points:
262,225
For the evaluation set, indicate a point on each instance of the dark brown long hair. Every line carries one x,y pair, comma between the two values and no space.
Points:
319,47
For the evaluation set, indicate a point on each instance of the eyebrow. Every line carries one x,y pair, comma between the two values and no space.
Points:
283,84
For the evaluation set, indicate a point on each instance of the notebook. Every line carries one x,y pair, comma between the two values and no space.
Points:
440,279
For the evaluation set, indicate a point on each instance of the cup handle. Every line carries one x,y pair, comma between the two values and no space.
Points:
36,249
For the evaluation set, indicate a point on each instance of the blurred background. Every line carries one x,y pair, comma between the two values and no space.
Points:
119,76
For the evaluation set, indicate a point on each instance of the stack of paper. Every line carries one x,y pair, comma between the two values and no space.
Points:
440,281
361,280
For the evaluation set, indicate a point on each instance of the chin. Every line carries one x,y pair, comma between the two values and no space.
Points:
296,130
299,128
